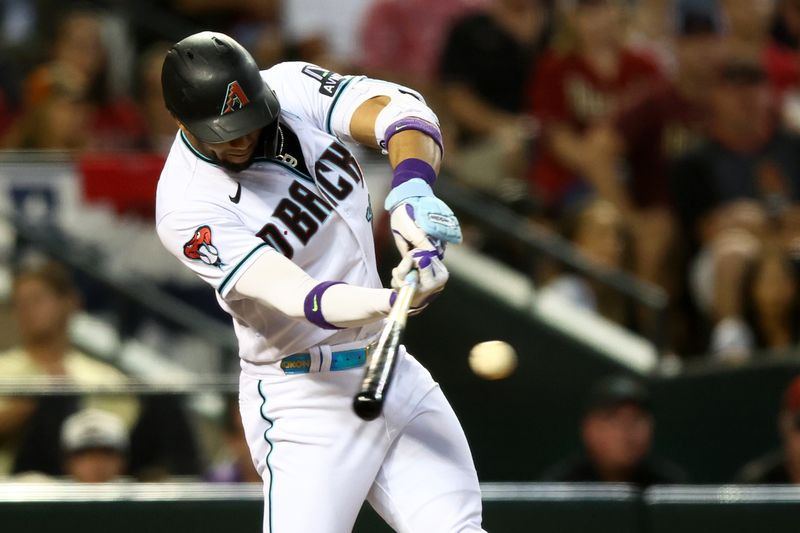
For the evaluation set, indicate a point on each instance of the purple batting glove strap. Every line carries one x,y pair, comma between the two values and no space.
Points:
408,169
413,123
425,257
313,305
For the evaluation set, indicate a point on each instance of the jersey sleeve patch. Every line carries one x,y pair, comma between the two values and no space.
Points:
200,248
329,81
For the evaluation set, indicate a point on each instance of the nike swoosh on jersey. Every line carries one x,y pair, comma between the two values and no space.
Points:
315,307
238,196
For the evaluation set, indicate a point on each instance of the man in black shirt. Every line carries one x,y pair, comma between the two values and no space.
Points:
485,64
617,434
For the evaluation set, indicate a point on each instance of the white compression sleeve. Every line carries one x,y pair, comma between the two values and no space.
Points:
275,281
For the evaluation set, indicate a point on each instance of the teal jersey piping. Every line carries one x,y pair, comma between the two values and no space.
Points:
333,104
269,453
195,151
236,268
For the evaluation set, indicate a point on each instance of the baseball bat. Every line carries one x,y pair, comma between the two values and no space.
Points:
368,402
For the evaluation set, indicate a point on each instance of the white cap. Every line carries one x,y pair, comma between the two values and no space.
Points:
93,428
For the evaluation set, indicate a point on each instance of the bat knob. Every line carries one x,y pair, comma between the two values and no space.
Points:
367,408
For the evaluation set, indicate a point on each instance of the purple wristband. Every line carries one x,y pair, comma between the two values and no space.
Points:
413,123
313,305
412,168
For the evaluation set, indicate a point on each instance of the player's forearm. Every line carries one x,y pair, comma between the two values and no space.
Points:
397,125
276,282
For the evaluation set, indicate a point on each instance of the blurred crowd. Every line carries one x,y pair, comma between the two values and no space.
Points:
93,437
660,137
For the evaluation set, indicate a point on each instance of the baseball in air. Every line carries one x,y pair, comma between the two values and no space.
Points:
493,359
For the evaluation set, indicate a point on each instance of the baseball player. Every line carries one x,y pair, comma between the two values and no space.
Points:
261,198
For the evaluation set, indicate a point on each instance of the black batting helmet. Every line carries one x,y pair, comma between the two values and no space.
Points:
213,86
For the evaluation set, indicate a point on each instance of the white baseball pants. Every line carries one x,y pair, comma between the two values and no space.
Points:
319,461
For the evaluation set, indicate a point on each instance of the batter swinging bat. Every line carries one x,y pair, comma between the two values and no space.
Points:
378,376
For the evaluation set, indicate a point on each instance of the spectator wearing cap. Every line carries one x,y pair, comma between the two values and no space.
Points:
617,435
44,299
94,444
781,466
739,190
749,25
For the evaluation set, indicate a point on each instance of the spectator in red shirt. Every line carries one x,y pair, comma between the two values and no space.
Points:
579,89
644,135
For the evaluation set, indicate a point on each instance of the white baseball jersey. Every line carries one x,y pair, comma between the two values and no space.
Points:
318,460
313,207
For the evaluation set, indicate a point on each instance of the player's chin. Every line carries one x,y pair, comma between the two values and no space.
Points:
237,163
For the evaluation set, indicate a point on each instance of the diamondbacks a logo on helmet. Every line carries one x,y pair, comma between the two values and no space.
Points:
235,99
199,247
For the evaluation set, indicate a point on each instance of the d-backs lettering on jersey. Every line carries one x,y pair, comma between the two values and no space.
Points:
337,174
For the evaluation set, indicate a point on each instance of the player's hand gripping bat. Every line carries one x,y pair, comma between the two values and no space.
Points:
368,402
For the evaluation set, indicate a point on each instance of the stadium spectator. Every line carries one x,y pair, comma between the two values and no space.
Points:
617,434
785,29
236,465
44,298
79,67
597,229
60,121
94,444
164,443
401,40
749,24
732,191
771,300
650,30
648,132
161,126
578,88
780,466
484,68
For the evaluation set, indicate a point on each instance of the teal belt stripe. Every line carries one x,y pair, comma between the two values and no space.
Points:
271,447
300,363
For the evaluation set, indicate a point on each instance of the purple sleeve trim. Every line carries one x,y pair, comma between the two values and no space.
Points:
313,305
413,123
412,168
392,298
